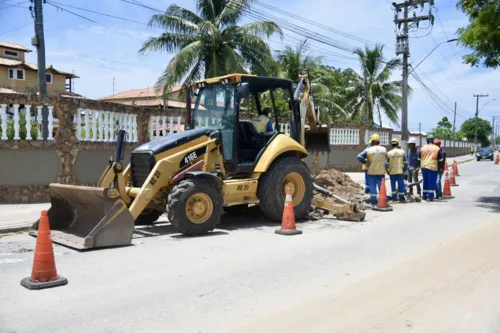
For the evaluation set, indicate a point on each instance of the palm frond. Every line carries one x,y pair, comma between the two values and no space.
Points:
260,29
169,42
179,65
232,12
173,23
207,9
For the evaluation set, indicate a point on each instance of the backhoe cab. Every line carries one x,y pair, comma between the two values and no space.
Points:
219,161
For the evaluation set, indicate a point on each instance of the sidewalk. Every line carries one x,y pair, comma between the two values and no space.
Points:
19,216
359,177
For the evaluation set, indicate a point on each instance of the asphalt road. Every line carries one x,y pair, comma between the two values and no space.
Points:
400,270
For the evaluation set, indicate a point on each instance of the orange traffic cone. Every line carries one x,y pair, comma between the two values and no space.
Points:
382,204
455,168
44,273
445,165
288,221
497,159
453,182
447,188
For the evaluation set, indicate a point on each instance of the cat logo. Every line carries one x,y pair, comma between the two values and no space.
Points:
190,158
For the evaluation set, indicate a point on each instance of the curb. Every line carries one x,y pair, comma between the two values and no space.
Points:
19,229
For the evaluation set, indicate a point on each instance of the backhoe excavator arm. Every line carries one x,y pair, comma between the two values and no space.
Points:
315,138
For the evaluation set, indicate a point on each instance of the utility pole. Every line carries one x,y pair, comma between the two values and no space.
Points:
454,117
39,42
476,120
403,47
367,108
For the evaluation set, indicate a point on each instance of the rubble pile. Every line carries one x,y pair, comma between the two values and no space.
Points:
342,186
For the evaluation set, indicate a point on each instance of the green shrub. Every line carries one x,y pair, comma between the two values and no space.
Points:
22,128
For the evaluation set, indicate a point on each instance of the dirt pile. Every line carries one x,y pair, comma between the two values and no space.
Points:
340,184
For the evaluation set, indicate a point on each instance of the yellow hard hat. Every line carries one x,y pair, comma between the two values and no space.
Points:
374,137
395,141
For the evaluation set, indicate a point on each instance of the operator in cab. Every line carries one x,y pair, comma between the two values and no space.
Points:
262,122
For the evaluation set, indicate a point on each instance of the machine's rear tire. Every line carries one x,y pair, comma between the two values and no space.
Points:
271,190
194,207
148,218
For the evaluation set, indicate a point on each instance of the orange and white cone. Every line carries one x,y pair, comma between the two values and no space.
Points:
453,181
382,204
288,221
447,188
44,272
455,168
497,158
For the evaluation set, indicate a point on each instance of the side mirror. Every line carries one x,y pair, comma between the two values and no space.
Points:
243,90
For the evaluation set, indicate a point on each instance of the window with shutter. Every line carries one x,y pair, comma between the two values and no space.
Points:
11,73
20,74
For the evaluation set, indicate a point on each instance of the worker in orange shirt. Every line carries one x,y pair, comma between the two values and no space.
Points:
430,156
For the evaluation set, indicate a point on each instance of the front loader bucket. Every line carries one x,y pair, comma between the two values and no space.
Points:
84,217
317,141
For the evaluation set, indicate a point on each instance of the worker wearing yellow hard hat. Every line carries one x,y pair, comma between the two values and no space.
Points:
397,164
374,158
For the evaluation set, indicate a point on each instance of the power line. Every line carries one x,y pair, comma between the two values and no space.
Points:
90,20
302,19
14,29
99,13
14,5
140,4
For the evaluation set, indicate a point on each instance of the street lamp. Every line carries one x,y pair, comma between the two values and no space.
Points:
491,100
443,42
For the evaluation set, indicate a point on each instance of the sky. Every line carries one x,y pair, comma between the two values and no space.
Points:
107,48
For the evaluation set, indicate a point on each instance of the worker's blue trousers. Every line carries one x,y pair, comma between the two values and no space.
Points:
439,187
374,181
398,187
367,186
430,179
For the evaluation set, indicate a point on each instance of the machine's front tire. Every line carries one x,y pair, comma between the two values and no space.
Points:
148,218
194,207
271,191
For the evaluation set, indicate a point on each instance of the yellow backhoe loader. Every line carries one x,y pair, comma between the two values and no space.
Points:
192,175
195,174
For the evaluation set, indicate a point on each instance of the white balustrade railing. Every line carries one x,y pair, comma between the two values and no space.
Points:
344,136
162,126
284,127
384,137
396,136
103,126
23,122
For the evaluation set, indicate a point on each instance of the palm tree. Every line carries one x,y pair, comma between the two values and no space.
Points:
294,61
381,94
209,44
